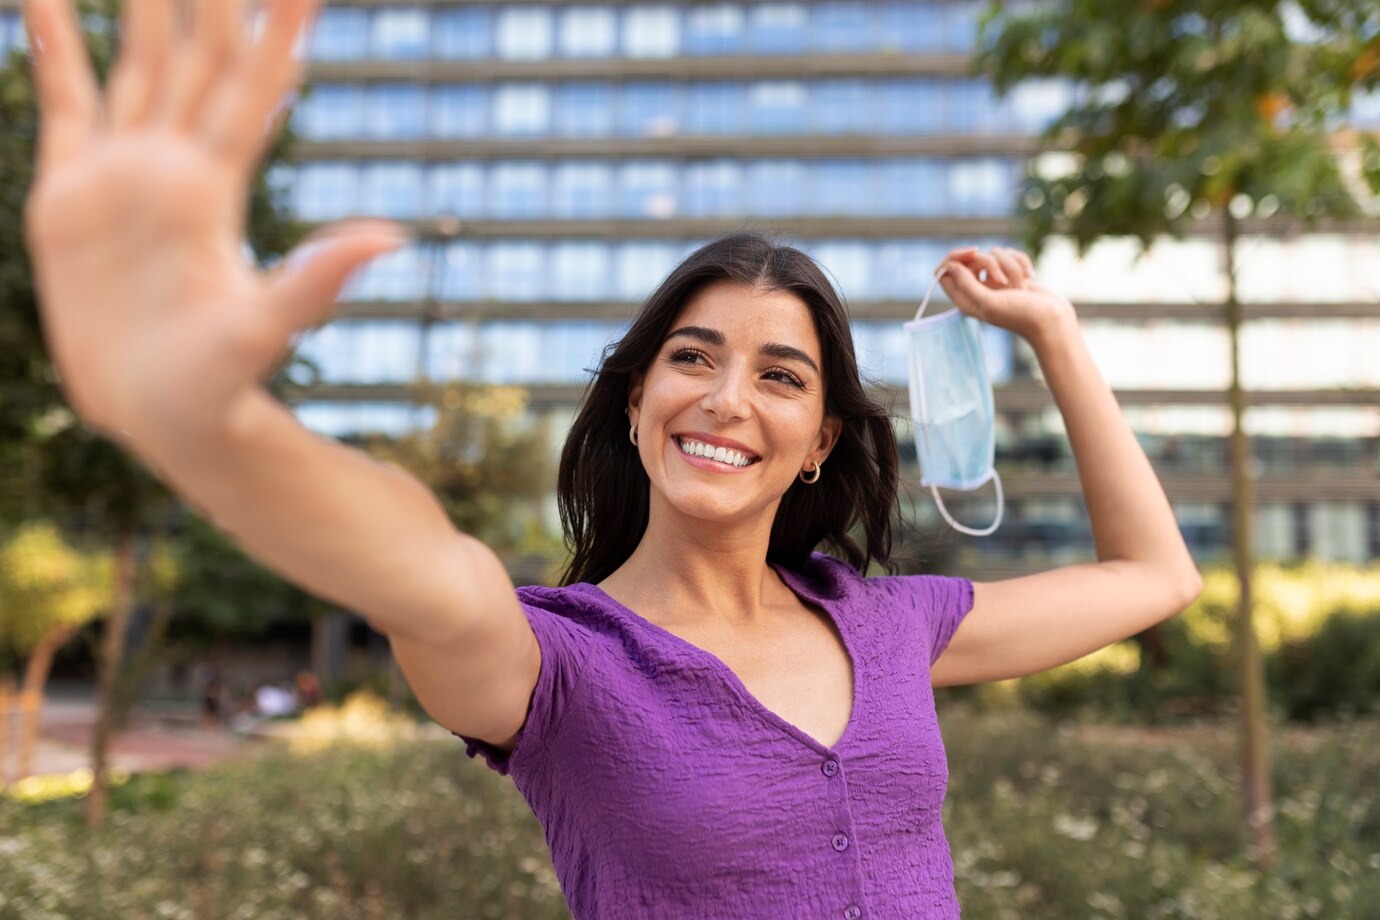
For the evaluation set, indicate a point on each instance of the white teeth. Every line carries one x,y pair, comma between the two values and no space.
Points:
720,454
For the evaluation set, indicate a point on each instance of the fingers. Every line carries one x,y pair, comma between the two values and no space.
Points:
67,95
217,46
983,262
1012,267
238,118
302,292
965,291
140,71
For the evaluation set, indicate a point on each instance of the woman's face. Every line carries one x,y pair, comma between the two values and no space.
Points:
742,370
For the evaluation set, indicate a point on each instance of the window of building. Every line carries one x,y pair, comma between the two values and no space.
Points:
1338,531
961,24
325,191
459,110
776,188
840,27
516,271
911,26
395,276
914,188
581,270
524,32
776,106
340,34
391,190
715,107
843,188
461,273
512,353
396,111
714,188
330,111
517,190
778,28
647,188
584,109
910,105
842,107
641,266
588,31
981,187
905,269
649,109
401,33
466,33
717,28
522,109
457,189
849,262
651,31
582,190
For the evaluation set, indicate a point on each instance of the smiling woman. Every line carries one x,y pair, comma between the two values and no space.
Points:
732,277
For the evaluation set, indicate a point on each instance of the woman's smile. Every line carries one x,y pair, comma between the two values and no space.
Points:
716,457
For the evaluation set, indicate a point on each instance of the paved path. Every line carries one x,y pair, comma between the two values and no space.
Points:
64,743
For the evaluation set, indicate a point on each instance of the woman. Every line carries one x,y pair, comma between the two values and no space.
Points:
710,716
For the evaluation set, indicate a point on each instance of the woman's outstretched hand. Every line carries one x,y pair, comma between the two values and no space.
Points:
154,317
998,287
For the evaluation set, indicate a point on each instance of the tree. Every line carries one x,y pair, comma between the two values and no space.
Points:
1206,114
50,465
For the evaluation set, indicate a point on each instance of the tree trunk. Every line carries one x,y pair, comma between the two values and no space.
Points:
112,651
35,679
1257,793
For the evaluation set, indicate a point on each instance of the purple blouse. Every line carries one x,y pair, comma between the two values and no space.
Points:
665,789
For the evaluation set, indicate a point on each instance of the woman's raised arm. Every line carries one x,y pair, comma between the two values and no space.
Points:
162,333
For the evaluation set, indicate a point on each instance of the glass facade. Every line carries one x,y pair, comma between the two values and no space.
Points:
531,32
382,110
557,154
655,189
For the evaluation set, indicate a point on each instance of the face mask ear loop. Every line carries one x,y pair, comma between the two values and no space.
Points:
996,481
924,409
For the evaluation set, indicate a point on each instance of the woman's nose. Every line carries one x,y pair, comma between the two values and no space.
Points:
729,396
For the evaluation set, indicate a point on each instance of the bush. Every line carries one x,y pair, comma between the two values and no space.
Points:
1319,630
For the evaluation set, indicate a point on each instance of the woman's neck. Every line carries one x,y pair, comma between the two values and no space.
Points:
693,571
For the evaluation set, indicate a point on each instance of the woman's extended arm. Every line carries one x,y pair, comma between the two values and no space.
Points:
1144,573
162,334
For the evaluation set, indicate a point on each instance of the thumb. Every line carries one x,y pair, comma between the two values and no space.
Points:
303,290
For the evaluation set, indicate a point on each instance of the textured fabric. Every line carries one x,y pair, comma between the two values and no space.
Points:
667,790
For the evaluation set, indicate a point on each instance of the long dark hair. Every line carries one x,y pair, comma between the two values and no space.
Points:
603,491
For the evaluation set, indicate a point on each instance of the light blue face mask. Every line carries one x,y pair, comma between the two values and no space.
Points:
951,406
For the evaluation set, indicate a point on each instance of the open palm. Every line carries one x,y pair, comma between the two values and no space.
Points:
154,318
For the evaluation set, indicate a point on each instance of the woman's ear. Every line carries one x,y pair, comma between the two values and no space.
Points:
829,434
635,396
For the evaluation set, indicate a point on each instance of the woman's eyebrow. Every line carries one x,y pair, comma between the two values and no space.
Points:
771,349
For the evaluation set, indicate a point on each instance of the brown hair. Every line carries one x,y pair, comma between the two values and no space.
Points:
603,491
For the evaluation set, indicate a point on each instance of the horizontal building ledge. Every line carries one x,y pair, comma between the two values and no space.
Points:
679,146
1017,396
822,227
734,66
883,310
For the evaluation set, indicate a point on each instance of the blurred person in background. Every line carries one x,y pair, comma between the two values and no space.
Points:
709,713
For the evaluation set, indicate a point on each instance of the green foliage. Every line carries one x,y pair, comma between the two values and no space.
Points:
45,583
50,464
1046,819
1186,110
1319,630
485,460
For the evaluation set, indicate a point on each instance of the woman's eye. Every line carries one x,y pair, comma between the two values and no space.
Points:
785,377
686,356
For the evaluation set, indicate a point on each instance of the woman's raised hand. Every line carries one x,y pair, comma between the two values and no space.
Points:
998,287
153,315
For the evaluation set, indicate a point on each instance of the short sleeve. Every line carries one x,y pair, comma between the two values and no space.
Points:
561,641
942,601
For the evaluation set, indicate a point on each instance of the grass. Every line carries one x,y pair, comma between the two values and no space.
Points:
1046,819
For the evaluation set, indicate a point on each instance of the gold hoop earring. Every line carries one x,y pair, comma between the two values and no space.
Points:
632,435
818,464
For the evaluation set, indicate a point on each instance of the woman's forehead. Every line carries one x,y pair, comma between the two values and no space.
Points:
748,317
